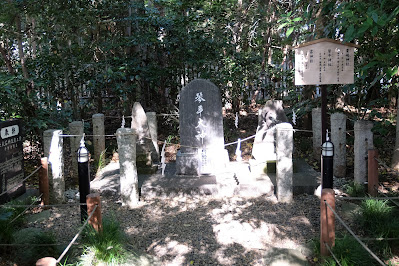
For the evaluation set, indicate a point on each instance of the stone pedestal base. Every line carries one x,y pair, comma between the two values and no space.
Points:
144,164
201,163
187,164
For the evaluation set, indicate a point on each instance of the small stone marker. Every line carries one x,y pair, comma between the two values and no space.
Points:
338,138
11,159
284,165
152,124
316,127
144,144
363,142
99,138
128,170
201,130
75,128
53,150
264,144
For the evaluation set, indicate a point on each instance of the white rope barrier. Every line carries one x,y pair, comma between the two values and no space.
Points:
388,198
67,136
26,178
34,245
19,215
329,249
43,206
364,198
353,234
77,235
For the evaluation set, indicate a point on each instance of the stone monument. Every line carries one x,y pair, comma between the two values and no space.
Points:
270,115
144,144
201,130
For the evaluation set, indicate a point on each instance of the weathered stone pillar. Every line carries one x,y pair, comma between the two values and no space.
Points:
75,128
316,127
338,138
128,170
152,124
363,142
284,167
52,145
99,138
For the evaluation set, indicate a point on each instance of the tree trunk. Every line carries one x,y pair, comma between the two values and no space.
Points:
395,157
6,58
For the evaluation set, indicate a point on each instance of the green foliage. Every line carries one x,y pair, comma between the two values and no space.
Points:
102,160
107,246
11,232
376,218
354,189
35,248
349,252
84,57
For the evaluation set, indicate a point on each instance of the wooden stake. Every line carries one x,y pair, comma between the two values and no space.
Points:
43,182
47,261
327,221
92,200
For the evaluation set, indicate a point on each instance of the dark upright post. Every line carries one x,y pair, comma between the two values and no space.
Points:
323,112
84,178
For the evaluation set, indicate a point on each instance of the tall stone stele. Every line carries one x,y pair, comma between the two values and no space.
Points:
338,138
53,150
144,145
316,127
201,130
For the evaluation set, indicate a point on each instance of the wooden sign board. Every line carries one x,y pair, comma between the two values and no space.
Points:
11,160
324,61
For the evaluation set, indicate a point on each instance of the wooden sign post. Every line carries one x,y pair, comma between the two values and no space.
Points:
322,62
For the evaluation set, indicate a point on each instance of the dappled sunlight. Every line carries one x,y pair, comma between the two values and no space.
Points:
246,234
172,249
184,229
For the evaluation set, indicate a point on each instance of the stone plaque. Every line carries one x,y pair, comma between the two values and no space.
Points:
324,61
201,129
11,159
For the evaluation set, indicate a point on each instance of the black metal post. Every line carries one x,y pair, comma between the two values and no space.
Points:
84,187
323,112
327,166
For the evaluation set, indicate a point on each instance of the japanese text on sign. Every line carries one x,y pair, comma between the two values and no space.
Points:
324,62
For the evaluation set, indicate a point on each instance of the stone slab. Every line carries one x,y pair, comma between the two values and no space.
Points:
305,179
284,257
238,180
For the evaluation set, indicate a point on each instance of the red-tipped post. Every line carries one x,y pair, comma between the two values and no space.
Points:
96,220
327,221
43,182
47,261
372,184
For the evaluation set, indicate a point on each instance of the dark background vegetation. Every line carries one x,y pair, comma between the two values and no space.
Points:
102,56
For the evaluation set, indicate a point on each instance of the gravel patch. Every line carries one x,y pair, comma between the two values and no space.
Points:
202,230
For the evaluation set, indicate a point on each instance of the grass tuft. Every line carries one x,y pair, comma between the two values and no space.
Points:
375,217
348,252
109,245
